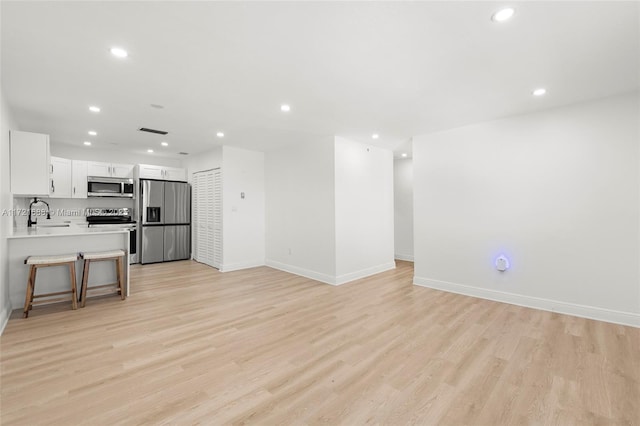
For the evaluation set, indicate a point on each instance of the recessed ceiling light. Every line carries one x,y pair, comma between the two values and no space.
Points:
220,135
375,136
149,151
285,108
93,108
539,92
87,143
119,52
404,154
93,133
503,14
164,144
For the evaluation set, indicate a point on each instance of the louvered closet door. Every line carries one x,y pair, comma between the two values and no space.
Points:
208,217
199,238
216,219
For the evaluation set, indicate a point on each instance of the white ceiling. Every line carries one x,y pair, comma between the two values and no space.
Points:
347,68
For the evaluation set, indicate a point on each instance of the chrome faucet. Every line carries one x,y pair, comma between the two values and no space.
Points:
32,222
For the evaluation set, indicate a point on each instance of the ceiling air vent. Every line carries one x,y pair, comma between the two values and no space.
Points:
158,132
183,153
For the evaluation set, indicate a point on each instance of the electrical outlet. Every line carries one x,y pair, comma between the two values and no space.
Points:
502,263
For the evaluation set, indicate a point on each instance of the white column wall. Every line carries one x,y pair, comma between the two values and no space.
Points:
403,208
557,191
364,210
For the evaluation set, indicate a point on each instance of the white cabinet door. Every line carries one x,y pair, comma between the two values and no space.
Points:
30,163
147,171
95,168
174,173
60,178
78,179
121,170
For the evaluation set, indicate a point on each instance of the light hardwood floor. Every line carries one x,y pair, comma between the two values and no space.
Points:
192,345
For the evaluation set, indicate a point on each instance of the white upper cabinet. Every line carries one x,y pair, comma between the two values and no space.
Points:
147,171
78,179
122,170
60,178
30,163
96,168
174,173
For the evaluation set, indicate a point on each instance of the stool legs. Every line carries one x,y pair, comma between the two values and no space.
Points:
28,300
120,273
74,292
119,277
31,287
83,286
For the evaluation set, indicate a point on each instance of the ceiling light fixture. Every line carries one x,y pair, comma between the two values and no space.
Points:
164,144
285,108
375,136
94,108
404,154
119,52
87,143
220,135
92,133
149,151
503,14
539,92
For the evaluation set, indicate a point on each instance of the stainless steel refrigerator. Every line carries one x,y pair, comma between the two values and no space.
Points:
165,210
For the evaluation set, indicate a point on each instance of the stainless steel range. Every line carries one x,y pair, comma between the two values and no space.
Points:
120,218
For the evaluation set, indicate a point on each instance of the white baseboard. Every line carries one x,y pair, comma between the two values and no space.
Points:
407,257
307,273
352,276
228,267
590,312
330,279
4,317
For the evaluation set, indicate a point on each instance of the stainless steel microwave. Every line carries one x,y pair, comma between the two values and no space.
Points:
109,187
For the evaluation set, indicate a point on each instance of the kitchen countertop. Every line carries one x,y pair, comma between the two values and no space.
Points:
72,230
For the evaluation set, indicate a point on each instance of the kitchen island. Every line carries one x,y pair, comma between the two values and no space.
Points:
40,241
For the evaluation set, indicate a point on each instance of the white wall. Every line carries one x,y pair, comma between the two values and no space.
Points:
403,208
7,123
557,191
363,210
110,156
202,161
243,219
300,209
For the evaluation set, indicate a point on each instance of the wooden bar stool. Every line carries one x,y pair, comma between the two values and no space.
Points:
101,256
44,262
